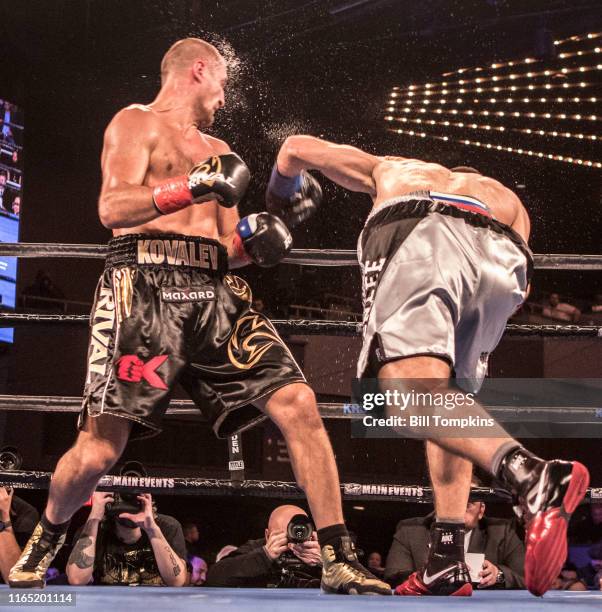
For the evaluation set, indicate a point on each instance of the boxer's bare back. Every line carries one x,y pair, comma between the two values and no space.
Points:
397,176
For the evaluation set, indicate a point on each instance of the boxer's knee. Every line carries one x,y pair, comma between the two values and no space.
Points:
101,443
96,456
295,411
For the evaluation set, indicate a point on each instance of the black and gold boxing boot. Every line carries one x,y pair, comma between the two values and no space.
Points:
446,572
42,547
342,573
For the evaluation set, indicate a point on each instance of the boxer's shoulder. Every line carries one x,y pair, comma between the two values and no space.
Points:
216,145
135,122
136,113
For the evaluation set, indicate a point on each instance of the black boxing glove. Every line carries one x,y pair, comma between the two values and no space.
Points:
263,239
293,199
222,177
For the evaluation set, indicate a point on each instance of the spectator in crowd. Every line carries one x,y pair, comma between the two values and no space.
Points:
596,306
560,311
375,564
591,574
3,191
259,306
7,134
16,205
43,287
129,549
198,574
272,561
191,537
17,522
568,579
225,551
586,526
495,538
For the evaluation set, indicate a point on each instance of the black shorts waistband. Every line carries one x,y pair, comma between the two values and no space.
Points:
168,251
420,208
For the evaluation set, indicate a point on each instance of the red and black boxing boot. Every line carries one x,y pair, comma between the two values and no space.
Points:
446,572
548,492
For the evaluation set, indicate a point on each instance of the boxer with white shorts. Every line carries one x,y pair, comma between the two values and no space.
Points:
445,262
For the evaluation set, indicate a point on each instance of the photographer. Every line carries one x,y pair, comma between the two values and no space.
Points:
17,522
288,556
117,546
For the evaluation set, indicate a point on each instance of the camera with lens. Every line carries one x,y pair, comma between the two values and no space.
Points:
294,573
299,529
10,459
126,502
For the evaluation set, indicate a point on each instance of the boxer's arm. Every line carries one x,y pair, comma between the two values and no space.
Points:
124,201
347,166
228,218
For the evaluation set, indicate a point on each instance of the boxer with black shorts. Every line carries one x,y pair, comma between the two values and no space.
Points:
445,263
168,310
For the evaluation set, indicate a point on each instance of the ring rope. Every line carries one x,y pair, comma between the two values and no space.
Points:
303,326
328,410
302,257
156,485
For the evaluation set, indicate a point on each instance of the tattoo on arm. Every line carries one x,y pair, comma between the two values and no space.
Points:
79,556
176,566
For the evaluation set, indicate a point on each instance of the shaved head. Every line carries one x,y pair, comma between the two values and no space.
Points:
281,516
183,53
466,169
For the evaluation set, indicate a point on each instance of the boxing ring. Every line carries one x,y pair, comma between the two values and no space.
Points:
187,599
292,600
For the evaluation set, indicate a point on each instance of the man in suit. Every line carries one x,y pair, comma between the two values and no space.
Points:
504,551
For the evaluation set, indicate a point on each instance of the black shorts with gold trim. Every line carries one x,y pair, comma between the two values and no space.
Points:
167,310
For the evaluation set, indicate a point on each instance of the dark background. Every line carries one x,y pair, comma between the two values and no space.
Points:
323,67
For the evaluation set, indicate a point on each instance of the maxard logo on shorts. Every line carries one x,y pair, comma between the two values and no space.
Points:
189,294
178,253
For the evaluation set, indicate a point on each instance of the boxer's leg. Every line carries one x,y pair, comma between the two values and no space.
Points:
482,450
450,472
549,491
294,410
450,476
96,450
445,572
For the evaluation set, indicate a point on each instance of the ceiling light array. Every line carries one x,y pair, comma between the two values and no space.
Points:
495,66
432,103
502,90
511,100
532,115
526,60
578,38
495,128
580,53
432,88
487,145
